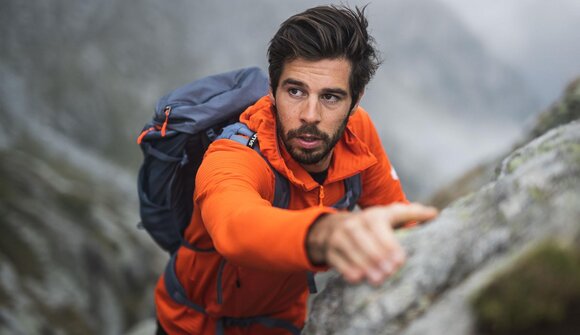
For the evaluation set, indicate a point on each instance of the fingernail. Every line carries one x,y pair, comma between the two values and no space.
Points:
374,275
386,266
399,257
349,278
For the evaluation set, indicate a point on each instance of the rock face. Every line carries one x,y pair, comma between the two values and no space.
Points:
71,258
535,197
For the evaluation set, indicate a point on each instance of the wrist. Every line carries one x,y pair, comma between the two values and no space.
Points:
316,240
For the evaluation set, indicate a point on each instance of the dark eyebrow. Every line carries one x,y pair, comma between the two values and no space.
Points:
337,91
291,81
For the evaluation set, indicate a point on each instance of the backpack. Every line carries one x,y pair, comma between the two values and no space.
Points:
173,143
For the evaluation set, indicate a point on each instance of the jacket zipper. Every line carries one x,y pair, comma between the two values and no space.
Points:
321,196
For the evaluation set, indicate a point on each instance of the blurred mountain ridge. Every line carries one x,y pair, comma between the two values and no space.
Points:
93,72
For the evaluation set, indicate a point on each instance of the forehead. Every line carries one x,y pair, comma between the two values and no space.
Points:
318,74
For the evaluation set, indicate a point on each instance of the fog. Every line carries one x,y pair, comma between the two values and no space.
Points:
460,79
540,39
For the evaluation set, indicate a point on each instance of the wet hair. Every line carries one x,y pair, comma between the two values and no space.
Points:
326,32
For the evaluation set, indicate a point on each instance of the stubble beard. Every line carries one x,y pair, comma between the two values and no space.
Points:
309,156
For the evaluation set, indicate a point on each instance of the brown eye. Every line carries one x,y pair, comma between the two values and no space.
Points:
295,92
330,98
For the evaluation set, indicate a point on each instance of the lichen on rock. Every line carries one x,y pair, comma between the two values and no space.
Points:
539,294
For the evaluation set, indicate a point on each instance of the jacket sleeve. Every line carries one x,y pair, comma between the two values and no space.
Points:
234,187
381,185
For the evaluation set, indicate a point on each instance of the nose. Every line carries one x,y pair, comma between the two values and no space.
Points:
310,112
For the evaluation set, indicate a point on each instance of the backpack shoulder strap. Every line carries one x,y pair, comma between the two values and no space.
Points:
352,192
240,133
281,191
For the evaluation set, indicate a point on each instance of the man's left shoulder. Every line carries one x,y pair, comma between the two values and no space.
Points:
360,122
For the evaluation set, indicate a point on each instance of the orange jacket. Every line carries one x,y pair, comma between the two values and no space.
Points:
262,248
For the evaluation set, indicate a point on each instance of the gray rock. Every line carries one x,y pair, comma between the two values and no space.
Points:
71,258
535,196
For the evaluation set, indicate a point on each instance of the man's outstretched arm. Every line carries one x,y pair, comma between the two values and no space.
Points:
362,245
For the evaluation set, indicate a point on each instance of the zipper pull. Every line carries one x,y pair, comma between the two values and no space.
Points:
164,127
321,196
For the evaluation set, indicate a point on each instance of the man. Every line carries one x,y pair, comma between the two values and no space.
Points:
247,274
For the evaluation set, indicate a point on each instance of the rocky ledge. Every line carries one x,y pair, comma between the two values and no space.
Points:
449,284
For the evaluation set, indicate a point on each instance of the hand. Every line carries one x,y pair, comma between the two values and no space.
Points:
362,245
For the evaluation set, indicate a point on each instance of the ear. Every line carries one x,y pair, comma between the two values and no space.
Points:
271,96
355,107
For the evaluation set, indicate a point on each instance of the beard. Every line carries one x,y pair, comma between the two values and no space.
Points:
309,156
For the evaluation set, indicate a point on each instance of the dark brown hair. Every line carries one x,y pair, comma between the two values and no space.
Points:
326,32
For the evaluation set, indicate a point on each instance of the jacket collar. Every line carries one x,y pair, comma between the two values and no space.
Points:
351,155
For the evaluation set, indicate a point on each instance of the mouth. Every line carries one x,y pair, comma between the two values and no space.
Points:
308,141
309,137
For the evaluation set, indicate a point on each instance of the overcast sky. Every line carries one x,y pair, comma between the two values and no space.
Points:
540,38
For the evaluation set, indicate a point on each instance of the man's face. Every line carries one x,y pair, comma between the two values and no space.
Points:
312,108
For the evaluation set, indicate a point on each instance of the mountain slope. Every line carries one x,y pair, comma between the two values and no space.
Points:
71,258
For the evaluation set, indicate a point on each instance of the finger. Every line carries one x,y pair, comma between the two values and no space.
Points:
385,237
394,255
397,255
373,256
372,247
400,214
386,261
344,243
375,250
345,260
380,231
343,266
357,246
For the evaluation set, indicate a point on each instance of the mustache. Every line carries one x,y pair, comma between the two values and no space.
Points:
309,130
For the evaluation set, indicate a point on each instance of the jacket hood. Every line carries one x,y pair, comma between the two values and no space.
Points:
350,156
